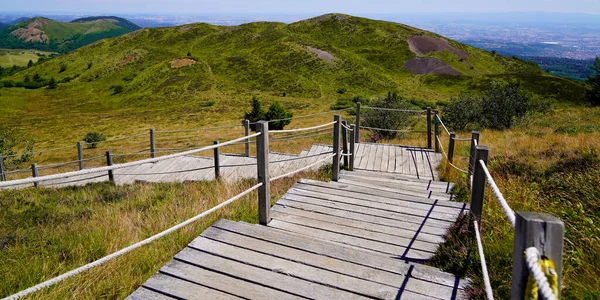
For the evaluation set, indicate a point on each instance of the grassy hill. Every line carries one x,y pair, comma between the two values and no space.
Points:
201,74
50,35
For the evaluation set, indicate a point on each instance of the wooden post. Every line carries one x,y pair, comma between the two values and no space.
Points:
429,128
2,169
80,155
262,159
478,187
345,142
351,166
336,147
152,144
217,164
451,147
247,133
542,231
111,175
437,132
357,123
34,173
474,136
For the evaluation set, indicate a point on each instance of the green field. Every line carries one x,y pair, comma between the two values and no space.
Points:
19,57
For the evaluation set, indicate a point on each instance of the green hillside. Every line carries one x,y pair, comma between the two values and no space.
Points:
303,65
50,35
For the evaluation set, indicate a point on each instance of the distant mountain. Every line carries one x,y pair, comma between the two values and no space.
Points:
2,25
15,21
146,23
50,35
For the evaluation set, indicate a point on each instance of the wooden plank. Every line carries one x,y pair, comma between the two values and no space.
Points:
145,294
399,160
359,216
404,207
406,184
178,288
359,233
401,177
215,280
361,155
379,157
369,211
392,159
250,272
345,253
327,263
365,161
390,187
359,287
367,192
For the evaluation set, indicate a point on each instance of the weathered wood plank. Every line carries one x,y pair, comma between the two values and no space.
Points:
327,263
178,288
359,287
392,159
391,187
411,185
146,294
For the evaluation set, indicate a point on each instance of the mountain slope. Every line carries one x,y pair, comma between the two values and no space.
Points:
46,34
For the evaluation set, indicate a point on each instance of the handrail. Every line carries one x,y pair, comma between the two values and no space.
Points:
486,276
120,166
442,123
130,248
303,168
307,116
510,214
391,130
302,129
446,155
532,255
394,109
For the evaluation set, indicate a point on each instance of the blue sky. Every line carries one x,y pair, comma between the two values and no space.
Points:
301,7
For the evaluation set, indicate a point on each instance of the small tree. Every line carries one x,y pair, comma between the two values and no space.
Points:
36,77
26,79
278,112
503,104
461,112
189,53
255,114
30,63
89,65
93,138
63,68
117,89
52,83
386,119
593,95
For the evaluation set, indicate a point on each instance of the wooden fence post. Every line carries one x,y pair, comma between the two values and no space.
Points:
451,147
357,122
109,162
474,136
2,169
542,231
436,131
152,144
429,128
262,159
351,166
34,173
478,186
345,142
216,159
336,147
80,155
247,133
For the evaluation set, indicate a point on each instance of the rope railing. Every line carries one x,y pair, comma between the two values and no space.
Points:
446,155
302,129
307,116
199,129
120,166
128,249
298,158
510,214
394,109
442,123
532,256
486,276
347,127
303,168
462,139
392,130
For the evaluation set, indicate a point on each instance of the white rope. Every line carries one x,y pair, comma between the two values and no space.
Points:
107,258
475,142
302,129
120,166
347,127
394,109
446,155
345,154
382,129
486,276
532,255
462,139
306,116
442,123
197,129
303,168
510,214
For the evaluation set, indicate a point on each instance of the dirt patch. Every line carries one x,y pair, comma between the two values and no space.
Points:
323,55
32,33
127,59
184,28
423,44
427,65
180,63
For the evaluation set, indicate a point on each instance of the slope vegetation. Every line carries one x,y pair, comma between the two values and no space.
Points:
46,34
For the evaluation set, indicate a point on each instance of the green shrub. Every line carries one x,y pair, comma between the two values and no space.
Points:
342,90
593,94
63,68
385,119
461,112
52,84
89,65
278,112
117,88
255,114
93,138
9,145
207,103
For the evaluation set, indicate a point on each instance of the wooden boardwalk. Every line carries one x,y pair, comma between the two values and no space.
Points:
376,157
363,237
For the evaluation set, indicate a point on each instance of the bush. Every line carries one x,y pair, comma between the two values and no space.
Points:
207,103
461,112
63,68
341,90
255,114
593,94
89,65
52,84
278,112
9,143
390,120
117,89
93,138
